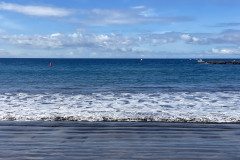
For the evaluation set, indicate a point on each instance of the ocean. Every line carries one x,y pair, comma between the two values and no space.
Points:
119,90
118,109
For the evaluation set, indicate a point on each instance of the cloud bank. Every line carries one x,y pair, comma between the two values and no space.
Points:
106,42
40,11
131,16
95,17
119,41
226,50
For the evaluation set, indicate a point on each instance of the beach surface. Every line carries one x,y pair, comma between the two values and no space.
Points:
118,140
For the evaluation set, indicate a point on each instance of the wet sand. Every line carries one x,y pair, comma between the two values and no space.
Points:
118,140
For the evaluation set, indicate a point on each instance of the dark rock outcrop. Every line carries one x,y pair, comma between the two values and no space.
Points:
220,62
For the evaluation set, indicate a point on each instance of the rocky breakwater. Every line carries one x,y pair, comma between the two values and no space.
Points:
220,62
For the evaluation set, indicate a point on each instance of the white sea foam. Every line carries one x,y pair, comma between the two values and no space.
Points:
217,107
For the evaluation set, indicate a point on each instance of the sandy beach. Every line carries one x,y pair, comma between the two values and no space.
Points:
118,140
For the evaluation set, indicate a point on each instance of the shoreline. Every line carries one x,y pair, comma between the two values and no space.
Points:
117,140
76,121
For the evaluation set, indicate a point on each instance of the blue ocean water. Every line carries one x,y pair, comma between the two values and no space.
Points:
169,90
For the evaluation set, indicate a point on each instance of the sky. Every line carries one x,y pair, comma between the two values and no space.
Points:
120,29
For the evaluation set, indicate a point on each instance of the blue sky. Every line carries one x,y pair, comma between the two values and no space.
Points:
120,28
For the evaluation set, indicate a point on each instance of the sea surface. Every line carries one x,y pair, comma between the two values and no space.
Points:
159,90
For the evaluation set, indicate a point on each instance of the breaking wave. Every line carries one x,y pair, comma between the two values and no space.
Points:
204,107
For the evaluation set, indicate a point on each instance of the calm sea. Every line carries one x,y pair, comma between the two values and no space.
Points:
161,90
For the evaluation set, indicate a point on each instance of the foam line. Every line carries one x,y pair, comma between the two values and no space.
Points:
212,107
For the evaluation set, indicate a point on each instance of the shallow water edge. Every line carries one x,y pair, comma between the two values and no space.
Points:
118,140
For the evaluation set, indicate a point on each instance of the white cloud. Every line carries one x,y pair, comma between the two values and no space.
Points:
225,37
104,42
186,37
146,12
106,45
55,34
160,38
132,16
138,7
95,17
226,50
40,11
111,43
189,39
76,40
162,41
195,39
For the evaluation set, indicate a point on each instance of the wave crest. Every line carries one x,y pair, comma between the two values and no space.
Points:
202,107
